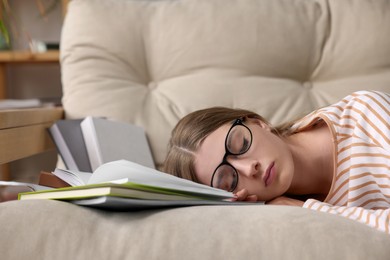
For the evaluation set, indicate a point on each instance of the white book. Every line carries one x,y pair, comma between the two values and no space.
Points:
32,186
73,177
127,179
107,140
122,171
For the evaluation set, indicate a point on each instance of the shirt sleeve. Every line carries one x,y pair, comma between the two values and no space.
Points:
378,218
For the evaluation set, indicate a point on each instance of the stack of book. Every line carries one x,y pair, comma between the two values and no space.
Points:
124,185
109,165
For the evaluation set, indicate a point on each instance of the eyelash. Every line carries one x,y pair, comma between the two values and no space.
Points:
245,145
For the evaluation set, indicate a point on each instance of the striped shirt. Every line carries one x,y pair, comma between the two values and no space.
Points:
360,127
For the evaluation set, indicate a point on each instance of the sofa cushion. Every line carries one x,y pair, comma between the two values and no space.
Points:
48,229
152,62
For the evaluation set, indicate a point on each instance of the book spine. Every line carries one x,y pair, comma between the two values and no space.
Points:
62,147
91,143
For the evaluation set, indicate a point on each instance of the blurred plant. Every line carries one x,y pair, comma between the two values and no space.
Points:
5,42
10,23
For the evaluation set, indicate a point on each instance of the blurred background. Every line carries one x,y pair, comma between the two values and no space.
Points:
31,23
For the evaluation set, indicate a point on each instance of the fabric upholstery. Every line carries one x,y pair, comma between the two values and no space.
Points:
152,62
58,230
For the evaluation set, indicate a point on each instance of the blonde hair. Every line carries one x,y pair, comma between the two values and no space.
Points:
192,129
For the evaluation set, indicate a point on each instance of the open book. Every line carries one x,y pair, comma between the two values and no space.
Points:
131,185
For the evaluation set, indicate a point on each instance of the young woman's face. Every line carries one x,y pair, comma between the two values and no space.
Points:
265,170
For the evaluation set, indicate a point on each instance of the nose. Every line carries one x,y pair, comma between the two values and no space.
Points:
246,167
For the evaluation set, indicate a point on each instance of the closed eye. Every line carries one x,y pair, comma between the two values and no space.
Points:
245,145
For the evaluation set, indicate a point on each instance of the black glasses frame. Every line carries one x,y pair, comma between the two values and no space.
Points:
238,121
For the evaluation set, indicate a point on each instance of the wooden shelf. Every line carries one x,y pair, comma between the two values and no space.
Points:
23,57
29,57
23,132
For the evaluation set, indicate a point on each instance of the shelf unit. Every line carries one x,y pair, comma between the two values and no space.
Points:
19,57
26,57
22,57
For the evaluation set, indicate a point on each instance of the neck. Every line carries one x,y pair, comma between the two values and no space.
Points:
312,152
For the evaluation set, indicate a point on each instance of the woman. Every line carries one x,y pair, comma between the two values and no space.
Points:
336,159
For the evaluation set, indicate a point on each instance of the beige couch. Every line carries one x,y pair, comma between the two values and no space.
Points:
152,62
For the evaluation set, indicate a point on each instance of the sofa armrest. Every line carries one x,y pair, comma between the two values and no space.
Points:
23,132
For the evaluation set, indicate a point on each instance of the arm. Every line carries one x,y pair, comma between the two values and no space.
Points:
379,218
283,200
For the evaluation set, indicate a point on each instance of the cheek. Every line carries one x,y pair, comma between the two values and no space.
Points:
273,149
201,171
204,178
267,148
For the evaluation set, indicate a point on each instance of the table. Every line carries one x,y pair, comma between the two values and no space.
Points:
23,132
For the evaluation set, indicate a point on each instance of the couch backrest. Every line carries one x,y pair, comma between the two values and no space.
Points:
152,62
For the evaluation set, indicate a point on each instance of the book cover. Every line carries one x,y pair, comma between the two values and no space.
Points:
108,140
128,190
50,180
70,144
129,204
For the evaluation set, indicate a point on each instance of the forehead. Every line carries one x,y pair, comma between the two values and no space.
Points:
210,154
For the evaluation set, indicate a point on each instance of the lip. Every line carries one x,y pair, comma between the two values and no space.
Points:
269,175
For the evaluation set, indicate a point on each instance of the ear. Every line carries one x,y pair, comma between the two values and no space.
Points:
260,123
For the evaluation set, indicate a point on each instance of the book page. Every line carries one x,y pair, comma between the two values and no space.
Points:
73,178
137,173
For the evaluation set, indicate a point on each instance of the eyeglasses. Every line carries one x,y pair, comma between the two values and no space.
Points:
238,141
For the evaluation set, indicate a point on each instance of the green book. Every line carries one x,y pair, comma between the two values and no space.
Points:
126,190
125,179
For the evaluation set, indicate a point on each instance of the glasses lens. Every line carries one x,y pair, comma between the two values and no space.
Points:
238,140
225,178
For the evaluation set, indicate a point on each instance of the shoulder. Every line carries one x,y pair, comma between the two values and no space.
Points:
362,113
363,102
368,97
358,106
366,114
